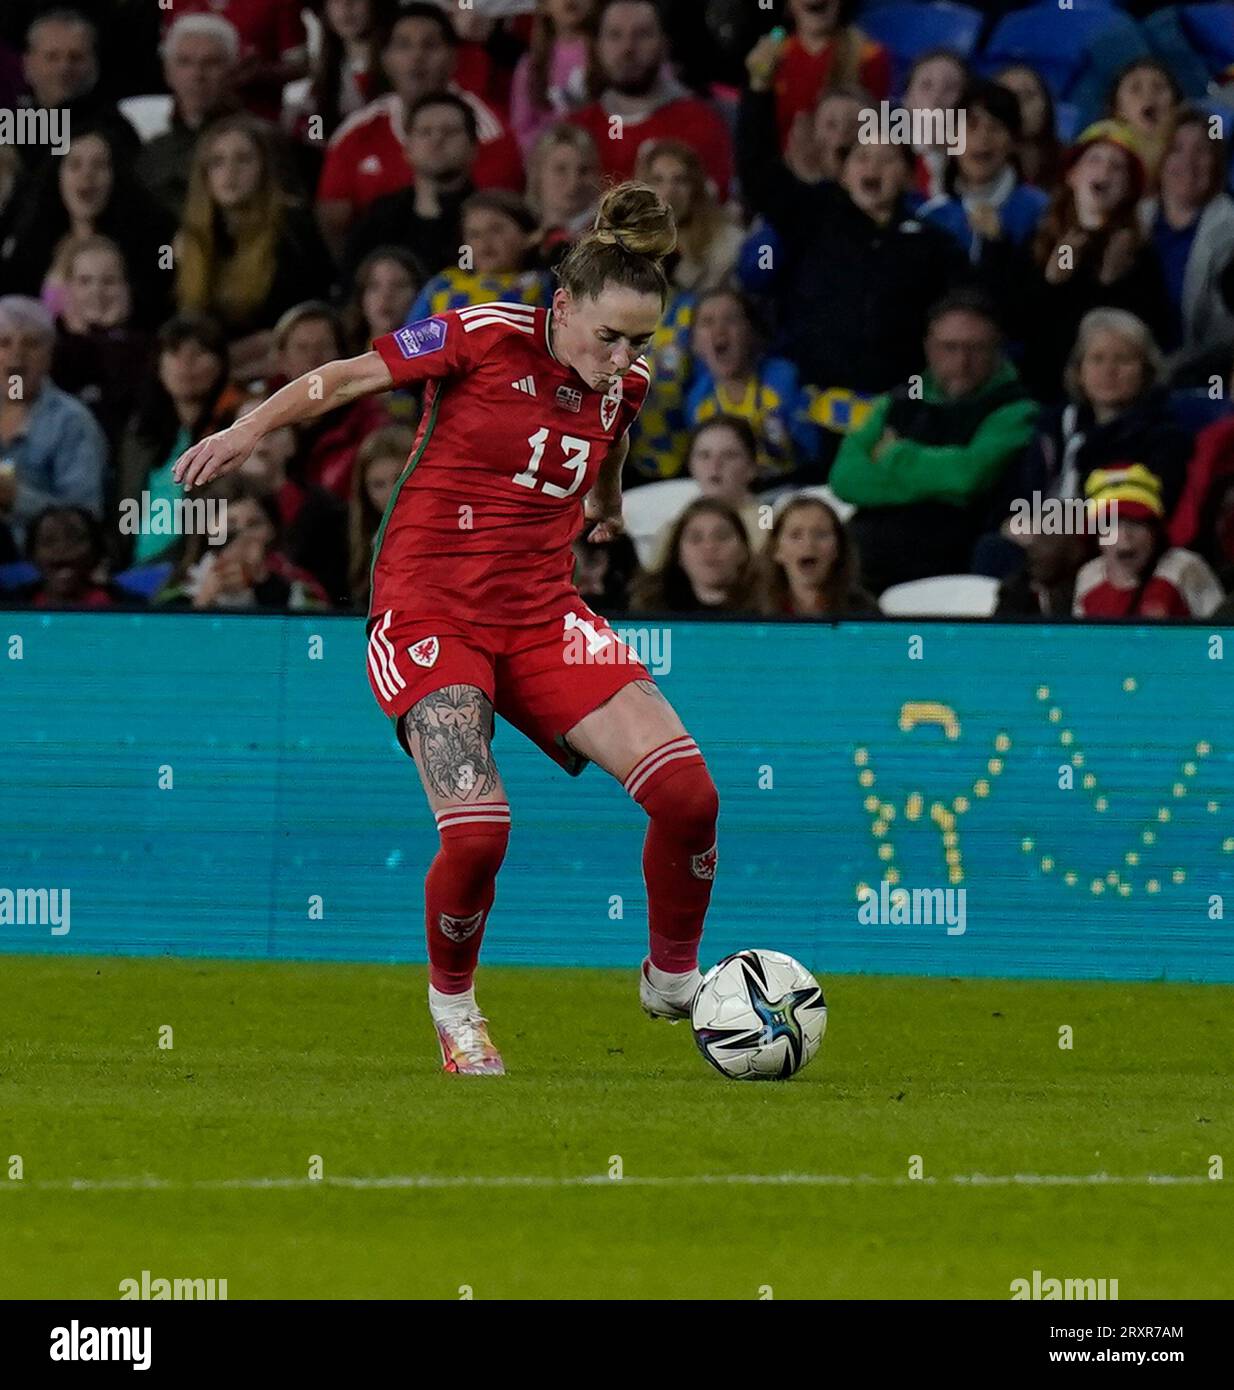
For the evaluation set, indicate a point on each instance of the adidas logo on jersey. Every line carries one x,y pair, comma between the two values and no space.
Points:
525,384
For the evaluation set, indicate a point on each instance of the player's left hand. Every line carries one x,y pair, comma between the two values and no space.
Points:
609,522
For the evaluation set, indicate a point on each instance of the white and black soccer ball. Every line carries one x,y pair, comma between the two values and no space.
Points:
758,1016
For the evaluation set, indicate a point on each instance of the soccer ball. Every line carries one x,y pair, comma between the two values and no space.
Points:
758,1016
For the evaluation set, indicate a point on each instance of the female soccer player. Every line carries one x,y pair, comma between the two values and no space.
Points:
526,415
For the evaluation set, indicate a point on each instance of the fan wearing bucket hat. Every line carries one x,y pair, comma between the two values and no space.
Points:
1138,574
1089,252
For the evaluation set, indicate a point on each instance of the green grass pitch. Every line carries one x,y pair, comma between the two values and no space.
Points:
274,1063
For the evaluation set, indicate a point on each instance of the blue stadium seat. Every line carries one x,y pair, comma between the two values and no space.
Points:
906,30
144,580
14,575
1059,44
1211,29
1194,410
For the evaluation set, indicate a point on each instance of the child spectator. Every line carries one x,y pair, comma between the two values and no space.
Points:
706,565
1145,97
65,545
250,569
499,231
808,568
1138,574
825,50
991,214
722,459
551,77
312,521
734,379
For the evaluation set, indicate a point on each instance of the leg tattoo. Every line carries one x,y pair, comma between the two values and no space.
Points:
454,726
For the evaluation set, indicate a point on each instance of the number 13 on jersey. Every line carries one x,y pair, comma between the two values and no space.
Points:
576,453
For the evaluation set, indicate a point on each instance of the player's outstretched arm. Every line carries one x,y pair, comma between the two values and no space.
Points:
603,503
315,393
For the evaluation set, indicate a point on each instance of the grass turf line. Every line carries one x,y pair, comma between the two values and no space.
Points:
273,1063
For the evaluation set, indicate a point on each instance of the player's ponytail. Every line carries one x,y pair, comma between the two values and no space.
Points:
633,232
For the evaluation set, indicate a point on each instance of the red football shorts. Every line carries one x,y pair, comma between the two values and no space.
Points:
543,678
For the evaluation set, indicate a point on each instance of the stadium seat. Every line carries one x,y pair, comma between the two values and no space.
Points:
149,115
1061,44
944,596
906,30
650,508
16,574
1211,29
144,580
1194,409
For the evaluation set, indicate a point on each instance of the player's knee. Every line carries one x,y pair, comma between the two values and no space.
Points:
688,801
474,841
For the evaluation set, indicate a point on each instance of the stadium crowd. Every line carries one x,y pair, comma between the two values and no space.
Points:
874,354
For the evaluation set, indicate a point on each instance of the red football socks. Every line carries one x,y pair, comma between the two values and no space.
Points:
460,887
673,786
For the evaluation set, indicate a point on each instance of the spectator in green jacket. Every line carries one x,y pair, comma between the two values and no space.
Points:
922,468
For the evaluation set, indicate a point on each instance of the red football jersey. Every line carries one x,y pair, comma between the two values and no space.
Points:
482,520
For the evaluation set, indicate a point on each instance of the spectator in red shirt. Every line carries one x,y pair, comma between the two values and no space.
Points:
825,50
563,185
1138,573
273,50
640,100
367,158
